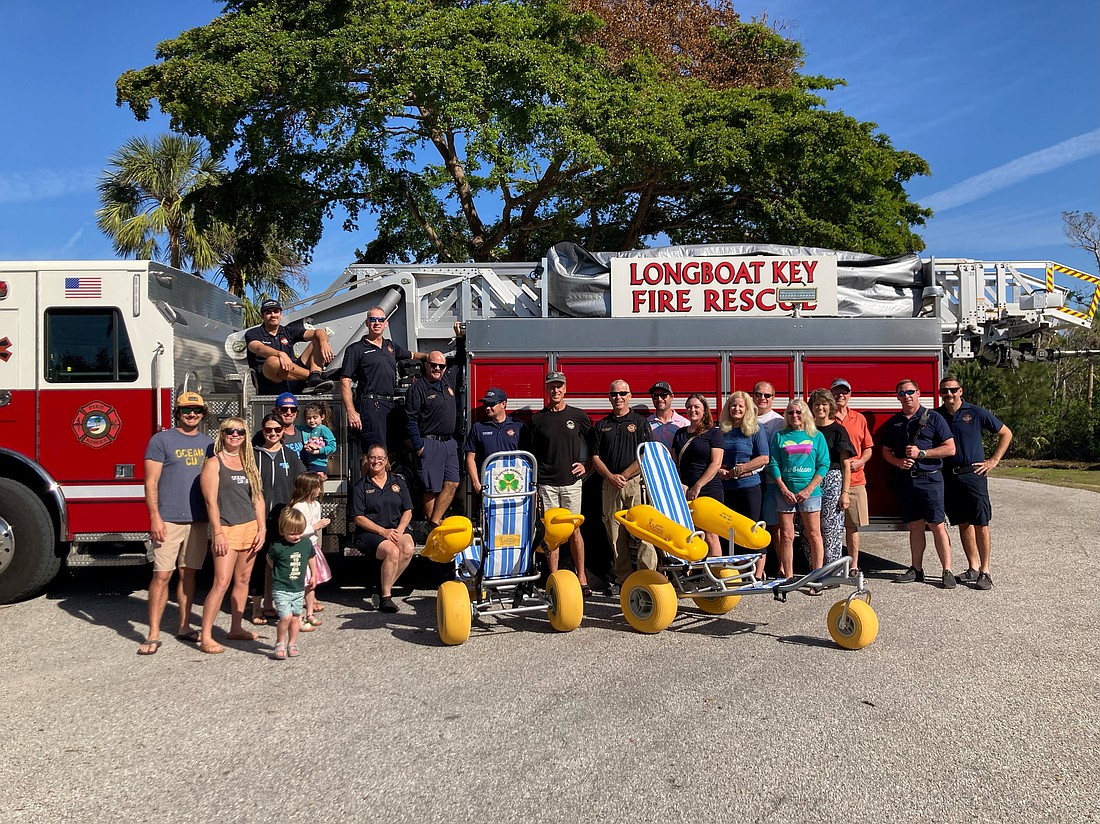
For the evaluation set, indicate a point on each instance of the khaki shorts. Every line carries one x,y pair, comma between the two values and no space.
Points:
240,536
857,513
184,546
567,496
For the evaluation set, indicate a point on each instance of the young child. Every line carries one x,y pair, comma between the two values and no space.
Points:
317,439
305,498
289,559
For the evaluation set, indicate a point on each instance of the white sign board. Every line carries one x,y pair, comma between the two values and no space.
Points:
726,286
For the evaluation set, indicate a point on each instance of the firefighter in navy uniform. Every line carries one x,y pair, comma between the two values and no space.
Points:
499,432
432,410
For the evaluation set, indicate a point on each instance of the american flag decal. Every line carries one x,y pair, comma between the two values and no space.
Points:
83,287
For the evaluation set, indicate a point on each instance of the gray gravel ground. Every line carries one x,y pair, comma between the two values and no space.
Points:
970,706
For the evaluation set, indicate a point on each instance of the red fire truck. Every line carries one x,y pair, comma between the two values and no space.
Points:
92,355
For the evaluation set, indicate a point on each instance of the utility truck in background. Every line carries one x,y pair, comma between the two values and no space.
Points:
93,355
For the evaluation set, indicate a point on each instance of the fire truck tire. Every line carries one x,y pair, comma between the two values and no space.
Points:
566,609
720,606
28,556
648,601
858,629
453,613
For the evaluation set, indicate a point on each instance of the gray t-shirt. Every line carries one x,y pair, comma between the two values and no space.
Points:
179,497
234,496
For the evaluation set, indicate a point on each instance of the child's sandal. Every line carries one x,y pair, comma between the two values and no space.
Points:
293,651
280,650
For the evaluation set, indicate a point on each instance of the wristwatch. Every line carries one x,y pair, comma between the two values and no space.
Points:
920,454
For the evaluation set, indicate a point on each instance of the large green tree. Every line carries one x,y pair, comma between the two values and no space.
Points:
484,129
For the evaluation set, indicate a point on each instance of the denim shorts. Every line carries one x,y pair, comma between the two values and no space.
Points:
811,504
288,603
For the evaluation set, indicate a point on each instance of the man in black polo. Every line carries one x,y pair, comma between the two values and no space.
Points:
916,440
614,442
965,485
270,348
433,417
371,362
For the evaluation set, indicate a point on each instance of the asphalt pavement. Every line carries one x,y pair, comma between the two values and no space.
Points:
970,706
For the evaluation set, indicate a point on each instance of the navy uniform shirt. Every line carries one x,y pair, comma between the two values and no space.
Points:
283,340
487,437
431,408
899,430
384,505
966,427
616,440
373,367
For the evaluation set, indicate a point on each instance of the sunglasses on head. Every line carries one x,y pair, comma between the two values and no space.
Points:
906,392
619,394
283,409
235,431
761,394
192,410
949,390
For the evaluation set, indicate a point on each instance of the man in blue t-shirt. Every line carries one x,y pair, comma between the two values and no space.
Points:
177,515
915,442
965,485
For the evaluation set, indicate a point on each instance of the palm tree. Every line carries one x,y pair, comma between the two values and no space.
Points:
142,195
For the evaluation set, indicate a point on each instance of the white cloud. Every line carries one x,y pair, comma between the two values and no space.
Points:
1015,171
44,184
72,241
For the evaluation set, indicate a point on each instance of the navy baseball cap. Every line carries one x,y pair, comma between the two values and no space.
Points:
271,306
494,396
286,399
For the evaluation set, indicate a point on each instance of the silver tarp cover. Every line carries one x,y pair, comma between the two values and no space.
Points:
579,281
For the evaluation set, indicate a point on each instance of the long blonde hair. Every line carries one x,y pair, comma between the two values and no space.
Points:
808,425
248,458
749,424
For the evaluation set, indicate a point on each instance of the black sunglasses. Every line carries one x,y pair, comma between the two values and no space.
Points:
437,366
949,390
656,395
618,394
905,392
283,409
377,319
761,394
235,431
274,429
192,410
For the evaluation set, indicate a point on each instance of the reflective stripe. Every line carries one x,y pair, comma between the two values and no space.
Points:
75,493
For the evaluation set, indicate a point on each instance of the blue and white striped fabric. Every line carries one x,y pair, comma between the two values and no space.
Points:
509,511
662,481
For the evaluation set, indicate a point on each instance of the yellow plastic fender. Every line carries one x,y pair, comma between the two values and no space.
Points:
711,516
647,523
560,523
448,539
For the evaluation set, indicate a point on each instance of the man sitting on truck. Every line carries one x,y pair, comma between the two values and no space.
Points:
271,354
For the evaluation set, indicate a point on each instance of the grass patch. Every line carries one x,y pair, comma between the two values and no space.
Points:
1053,476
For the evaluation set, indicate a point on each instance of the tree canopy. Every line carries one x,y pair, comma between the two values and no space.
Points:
485,129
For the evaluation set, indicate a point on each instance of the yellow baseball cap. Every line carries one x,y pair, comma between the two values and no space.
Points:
190,399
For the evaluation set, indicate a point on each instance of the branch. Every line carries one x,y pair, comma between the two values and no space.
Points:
421,221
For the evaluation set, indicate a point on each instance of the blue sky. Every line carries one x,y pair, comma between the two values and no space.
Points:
1002,100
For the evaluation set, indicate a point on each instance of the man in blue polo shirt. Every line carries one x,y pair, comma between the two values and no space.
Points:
965,485
499,432
915,442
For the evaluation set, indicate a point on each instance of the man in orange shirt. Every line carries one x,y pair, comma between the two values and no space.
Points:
860,435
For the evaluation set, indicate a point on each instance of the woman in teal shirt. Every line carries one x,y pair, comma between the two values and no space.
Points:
799,461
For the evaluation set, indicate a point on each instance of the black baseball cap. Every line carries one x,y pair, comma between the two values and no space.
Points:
660,387
271,306
494,396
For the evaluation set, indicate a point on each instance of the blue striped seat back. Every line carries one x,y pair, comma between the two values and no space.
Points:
662,482
509,509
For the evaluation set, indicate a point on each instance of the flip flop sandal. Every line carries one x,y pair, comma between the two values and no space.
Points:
212,648
147,643
319,608
243,636
586,590
192,637
257,619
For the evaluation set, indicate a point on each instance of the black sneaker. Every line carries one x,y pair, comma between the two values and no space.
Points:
317,385
948,579
612,589
984,581
969,577
910,575
387,605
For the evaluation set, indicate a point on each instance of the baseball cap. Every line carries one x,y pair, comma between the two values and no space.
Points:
286,399
494,396
660,386
841,382
271,306
555,377
190,399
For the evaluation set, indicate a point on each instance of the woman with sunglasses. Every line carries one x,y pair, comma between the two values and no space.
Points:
698,449
234,497
799,461
278,466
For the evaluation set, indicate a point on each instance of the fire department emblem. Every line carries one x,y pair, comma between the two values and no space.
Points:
5,349
511,433
631,427
96,424
395,488
966,416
